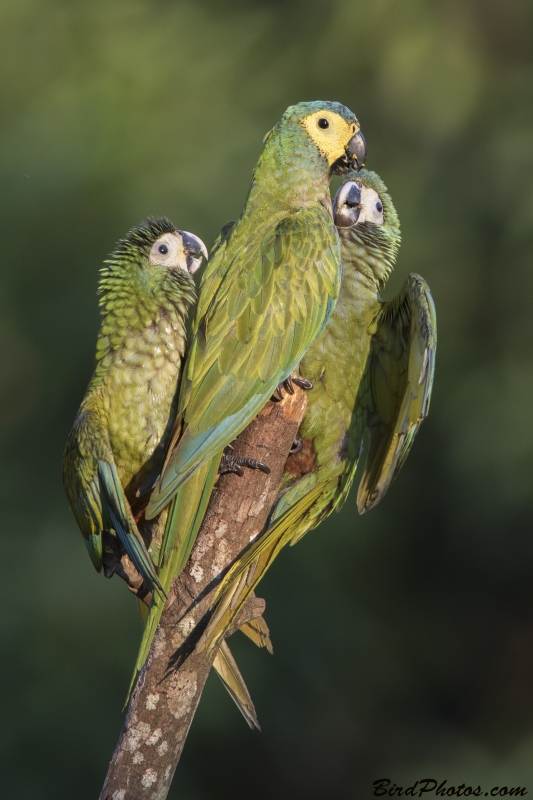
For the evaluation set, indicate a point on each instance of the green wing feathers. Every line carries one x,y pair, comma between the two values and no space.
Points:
80,477
97,497
117,517
273,298
401,367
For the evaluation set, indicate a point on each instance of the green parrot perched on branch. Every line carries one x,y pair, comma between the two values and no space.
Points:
268,292
372,370
122,428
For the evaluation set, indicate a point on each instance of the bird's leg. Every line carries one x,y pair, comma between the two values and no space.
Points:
231,463
296,445
287,384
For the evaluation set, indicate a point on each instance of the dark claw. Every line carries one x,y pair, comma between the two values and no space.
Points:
296,445
253,463
304,384
287,385
279,390
230,463
226,467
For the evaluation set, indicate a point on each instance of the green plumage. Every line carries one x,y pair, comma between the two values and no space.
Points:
125,419
269,289
372,369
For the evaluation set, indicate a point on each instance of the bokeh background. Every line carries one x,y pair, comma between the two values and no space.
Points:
403,639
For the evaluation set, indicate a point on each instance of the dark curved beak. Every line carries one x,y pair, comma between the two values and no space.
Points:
350,194
347,204
194,250
356,150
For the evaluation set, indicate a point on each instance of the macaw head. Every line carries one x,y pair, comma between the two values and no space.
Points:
363,198
334,130
365,215
175,249
156,242
154,257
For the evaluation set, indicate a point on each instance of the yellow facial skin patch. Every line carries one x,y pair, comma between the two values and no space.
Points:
330,140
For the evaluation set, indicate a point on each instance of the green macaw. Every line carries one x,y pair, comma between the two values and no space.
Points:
372,370
268,291
123,426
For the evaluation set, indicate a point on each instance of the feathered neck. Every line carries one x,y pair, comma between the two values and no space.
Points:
127,291
371,249
291,172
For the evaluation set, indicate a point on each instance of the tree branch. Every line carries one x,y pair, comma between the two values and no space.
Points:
171,683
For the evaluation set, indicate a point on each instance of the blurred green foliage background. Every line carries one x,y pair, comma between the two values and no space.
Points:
403,639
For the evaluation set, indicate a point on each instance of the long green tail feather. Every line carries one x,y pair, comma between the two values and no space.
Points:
121,521
244,576
143,611
182,526
228,672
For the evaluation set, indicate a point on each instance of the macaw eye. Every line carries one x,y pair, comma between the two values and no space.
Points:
323,123
163,249
379,206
